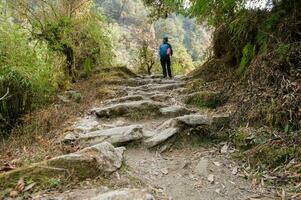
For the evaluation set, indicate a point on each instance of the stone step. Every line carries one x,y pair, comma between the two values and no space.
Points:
195,120
160,137
125,194
125,99
145,94
214,120
85,124
115,136
160,87
172,127
161,97
122,109
175,111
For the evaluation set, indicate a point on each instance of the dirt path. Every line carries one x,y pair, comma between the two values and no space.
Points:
147,121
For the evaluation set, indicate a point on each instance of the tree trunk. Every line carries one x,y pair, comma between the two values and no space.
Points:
68,51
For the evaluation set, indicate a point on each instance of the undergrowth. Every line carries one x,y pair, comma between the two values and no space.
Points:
36,137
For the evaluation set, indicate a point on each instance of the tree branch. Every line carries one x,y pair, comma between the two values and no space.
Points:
7,92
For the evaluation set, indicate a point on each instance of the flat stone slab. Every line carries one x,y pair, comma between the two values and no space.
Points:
125,194
146,94
195,119
160,97
86,124
115,136
175,111
122,109
160,137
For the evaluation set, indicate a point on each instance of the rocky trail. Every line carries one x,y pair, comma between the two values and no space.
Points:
143,146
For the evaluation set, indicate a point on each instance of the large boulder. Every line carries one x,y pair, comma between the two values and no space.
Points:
100,159
115,136
125,194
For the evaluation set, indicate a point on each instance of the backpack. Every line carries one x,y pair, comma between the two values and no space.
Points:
165,50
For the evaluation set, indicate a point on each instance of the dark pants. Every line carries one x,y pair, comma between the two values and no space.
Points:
165,63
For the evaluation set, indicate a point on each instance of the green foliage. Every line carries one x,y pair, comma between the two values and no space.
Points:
56,41
146,59
282,50
78,34
248,54
272,156
131,28
28,73
271,21
181,60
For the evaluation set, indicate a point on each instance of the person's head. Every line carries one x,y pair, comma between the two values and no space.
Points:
165,39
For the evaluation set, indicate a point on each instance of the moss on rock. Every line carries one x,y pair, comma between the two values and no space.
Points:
206,99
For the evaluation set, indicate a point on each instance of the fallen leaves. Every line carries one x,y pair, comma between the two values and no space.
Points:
20,185
7,167
20,188
13,194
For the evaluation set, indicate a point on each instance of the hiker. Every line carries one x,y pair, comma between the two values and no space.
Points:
165,54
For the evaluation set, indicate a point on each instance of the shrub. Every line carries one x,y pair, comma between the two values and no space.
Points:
27,74
248,54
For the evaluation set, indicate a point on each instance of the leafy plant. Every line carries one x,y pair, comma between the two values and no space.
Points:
282,49
248,54
28,73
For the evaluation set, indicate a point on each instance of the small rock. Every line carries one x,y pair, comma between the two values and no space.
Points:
224,149
164,171
202,167
218,191
211,178
235,170
218,164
